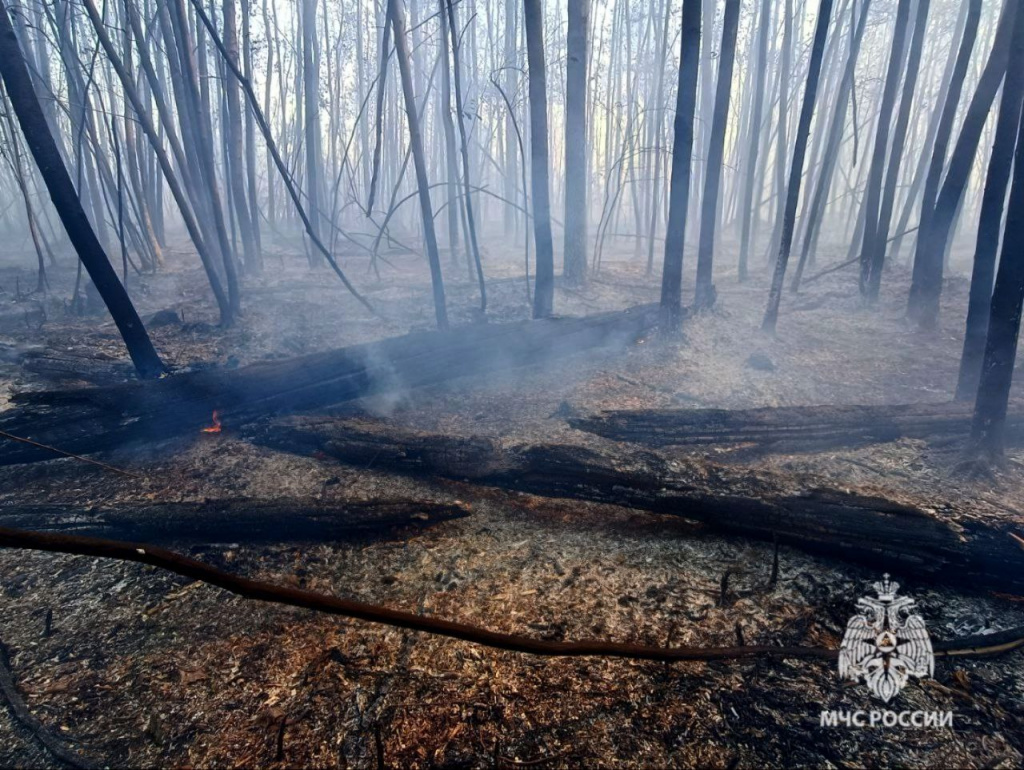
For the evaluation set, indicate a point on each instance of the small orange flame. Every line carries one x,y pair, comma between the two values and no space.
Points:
216,427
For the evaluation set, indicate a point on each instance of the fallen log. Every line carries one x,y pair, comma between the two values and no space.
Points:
230,520
861,528
94,419
790,428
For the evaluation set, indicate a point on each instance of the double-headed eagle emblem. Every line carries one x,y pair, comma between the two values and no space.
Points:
886,643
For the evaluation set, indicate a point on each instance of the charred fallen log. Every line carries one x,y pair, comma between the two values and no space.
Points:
95,419
237,520
860,528
791,428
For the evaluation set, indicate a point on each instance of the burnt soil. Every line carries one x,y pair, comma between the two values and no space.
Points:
143,668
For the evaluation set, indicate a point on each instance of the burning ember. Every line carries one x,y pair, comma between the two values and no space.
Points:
216,427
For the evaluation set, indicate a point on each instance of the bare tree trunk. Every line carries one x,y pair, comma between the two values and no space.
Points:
705,290
311,114
250,144
234,142
876,249
682,152
873,192
464,145
749,201
397,14
939,207
1004,316
544,291
575,249
803,131
51,166
832,147
990,221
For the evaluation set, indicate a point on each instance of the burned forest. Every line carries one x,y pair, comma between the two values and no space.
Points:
511,383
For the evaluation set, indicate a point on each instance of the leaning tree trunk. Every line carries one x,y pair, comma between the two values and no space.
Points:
682,150
705,290
939,210
397,14
990,222
830,160
51,166
803,130
575,252
1004,316
544,287
876,174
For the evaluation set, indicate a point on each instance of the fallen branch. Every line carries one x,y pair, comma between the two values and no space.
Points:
991,644
901,538
28,720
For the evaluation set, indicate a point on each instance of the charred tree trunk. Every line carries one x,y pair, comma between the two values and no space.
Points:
51,166
803,130
544,287
750,199
990,223
939,207
576,181
705,290
682,151
1005,312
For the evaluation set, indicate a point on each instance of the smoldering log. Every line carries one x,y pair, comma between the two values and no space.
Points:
230,520
95,419
791,429
860,528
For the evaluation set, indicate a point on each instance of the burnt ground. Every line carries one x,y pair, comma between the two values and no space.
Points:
144,668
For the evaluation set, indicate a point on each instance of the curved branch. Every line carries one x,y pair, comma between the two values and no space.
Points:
991,644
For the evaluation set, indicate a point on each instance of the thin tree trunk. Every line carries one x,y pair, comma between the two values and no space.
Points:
397,14
682,167
1004,315
803,131
575,248
990,221
749,200
705,290
939,207
544,289
873,193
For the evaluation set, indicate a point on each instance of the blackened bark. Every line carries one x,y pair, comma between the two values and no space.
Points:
682,150
544,288
803,130
990,223
1004,315
705,290
939,207
65,200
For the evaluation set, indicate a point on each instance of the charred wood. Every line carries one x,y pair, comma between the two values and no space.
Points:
859,528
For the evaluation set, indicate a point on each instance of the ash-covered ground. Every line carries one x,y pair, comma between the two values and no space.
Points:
142,668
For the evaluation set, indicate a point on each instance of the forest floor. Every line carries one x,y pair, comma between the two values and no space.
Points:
142,668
